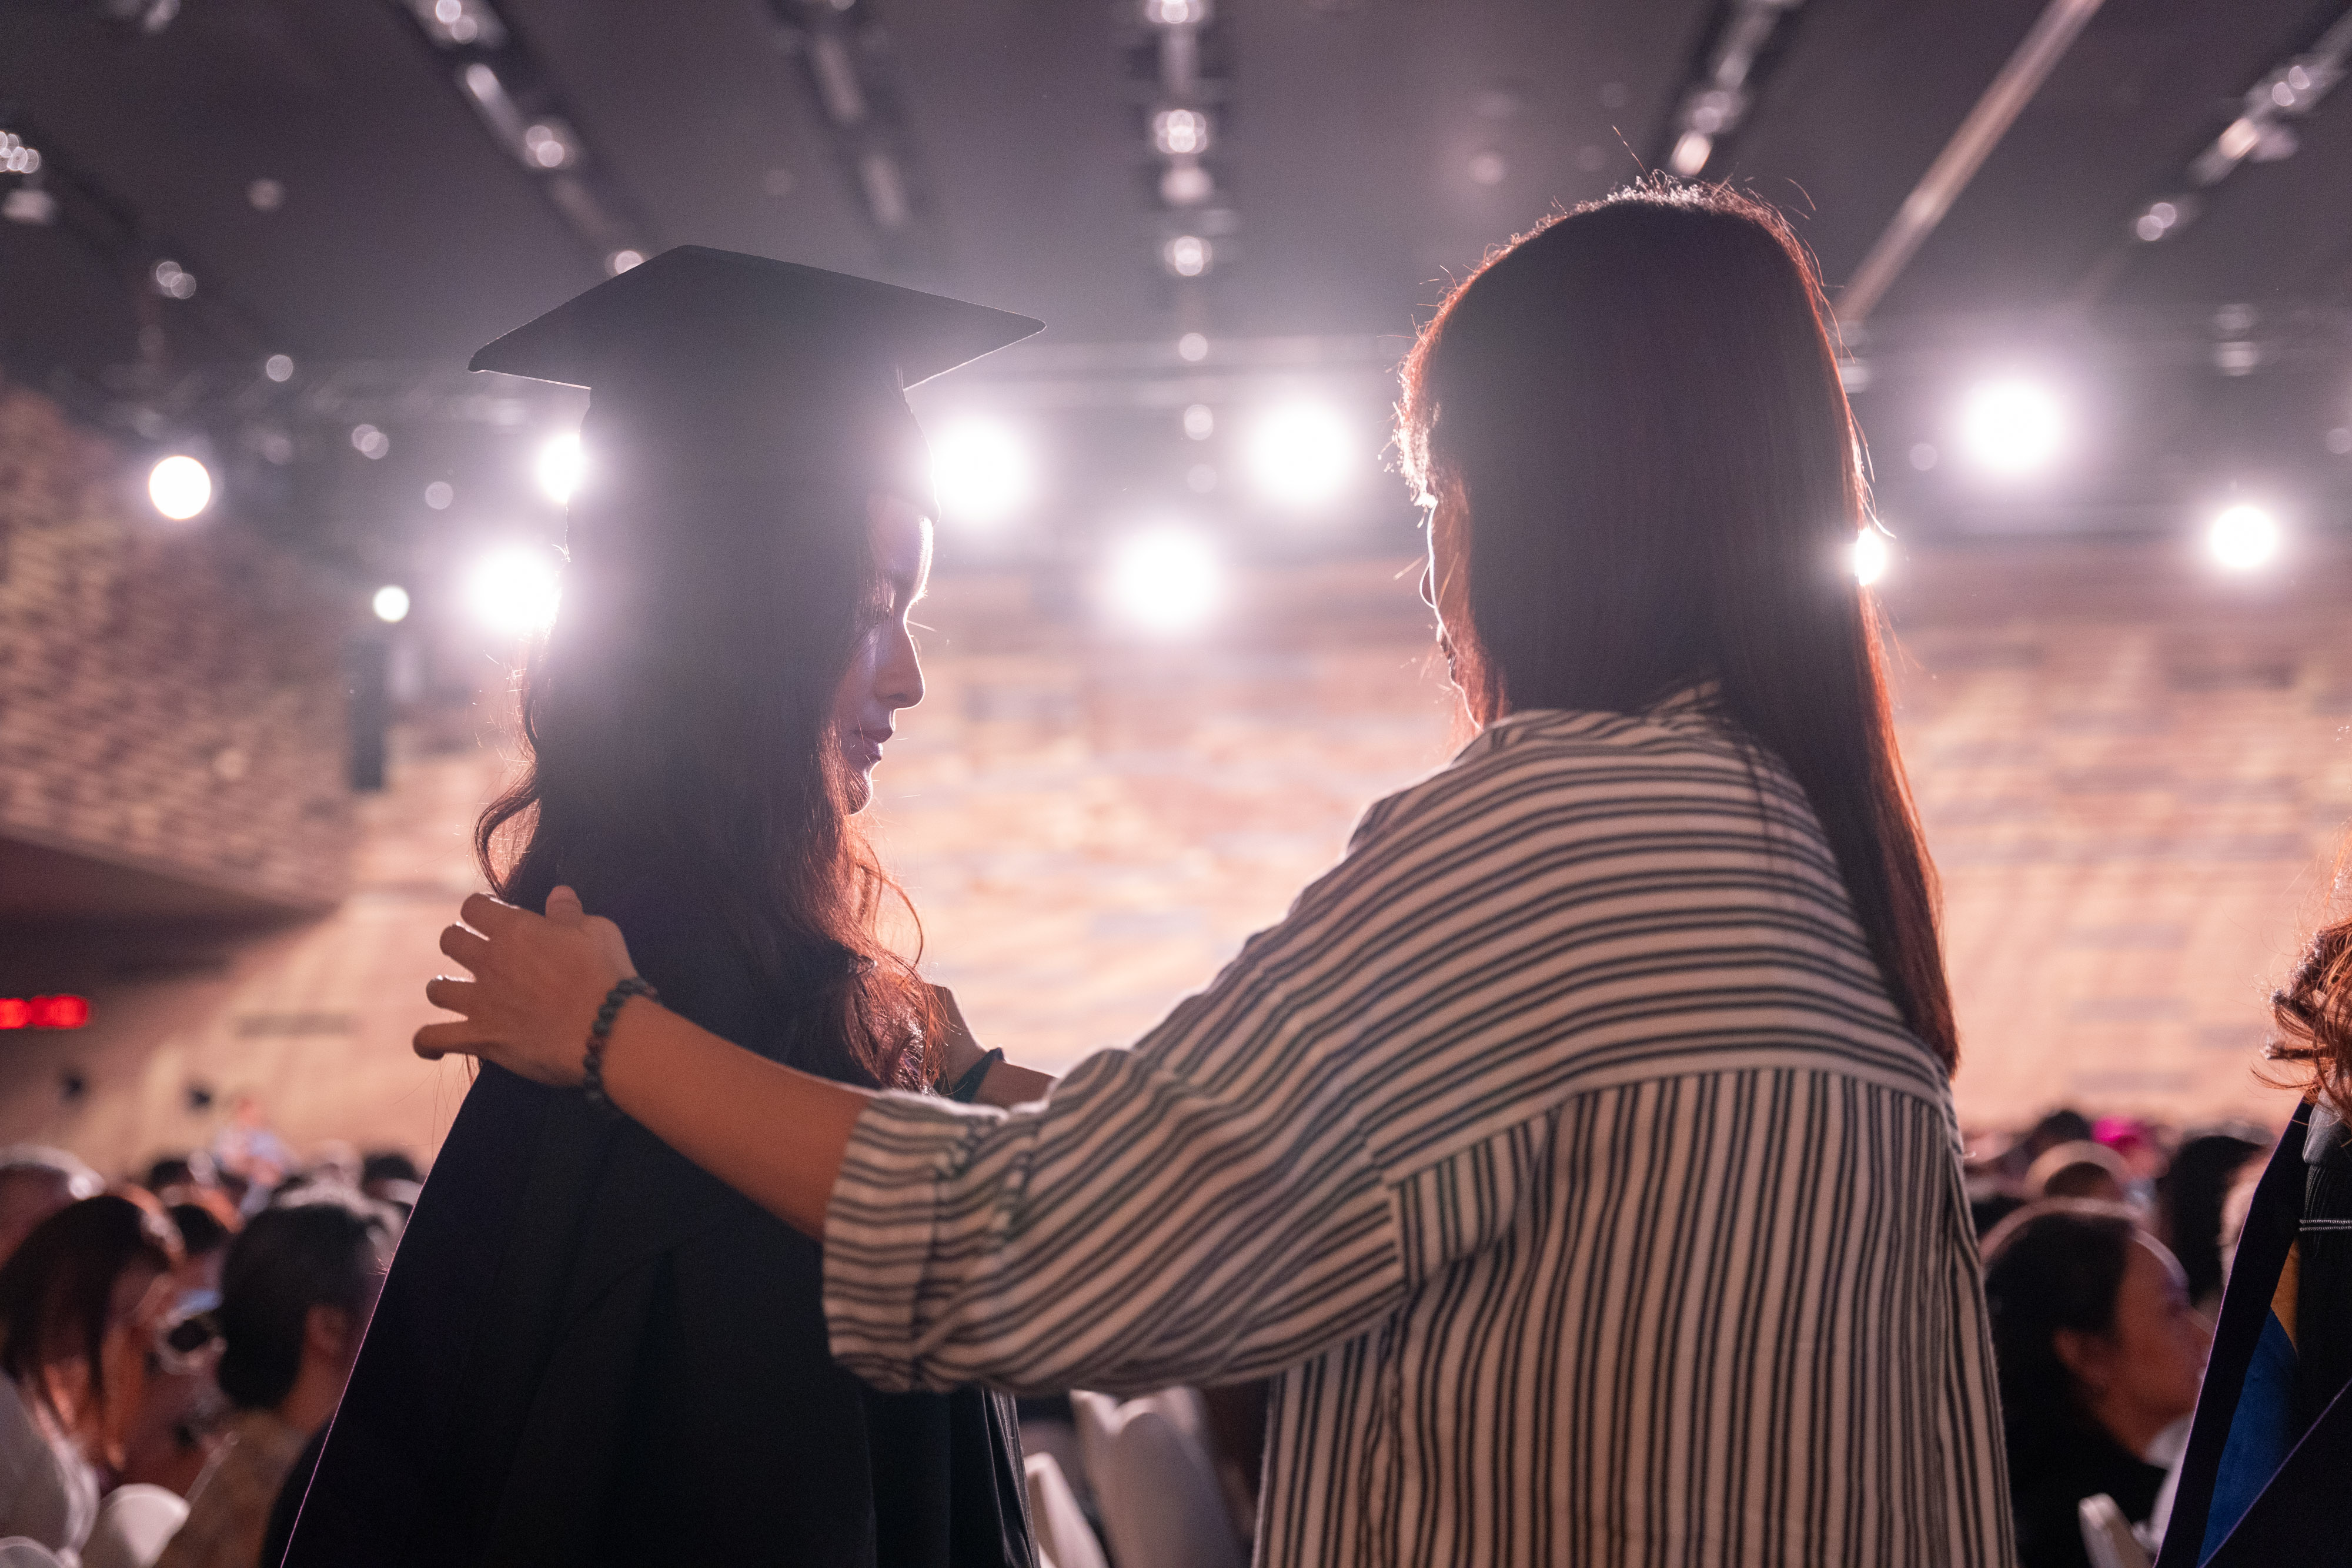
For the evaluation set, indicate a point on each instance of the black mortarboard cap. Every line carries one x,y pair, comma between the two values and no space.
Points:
712,364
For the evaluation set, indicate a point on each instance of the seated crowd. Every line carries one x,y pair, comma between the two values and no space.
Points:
177,1342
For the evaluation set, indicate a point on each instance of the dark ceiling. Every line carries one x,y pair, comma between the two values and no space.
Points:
1347,145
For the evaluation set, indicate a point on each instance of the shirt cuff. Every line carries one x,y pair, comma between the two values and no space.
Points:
882,1225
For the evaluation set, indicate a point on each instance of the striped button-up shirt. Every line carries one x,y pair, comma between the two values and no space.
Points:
1560,1152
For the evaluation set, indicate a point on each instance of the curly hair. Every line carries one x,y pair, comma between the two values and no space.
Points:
2314,1014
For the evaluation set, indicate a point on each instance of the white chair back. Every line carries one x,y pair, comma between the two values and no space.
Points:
1149,1461
134,1525
1063,1533
2107,1534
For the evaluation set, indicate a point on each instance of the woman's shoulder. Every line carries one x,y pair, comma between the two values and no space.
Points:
1539,760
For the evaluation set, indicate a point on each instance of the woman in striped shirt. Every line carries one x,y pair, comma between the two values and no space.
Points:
1577,1153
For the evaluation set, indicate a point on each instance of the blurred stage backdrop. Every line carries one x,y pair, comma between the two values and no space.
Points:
2128,766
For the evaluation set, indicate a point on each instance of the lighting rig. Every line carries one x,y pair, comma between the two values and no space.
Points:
520,103
846,61
176,295
2263,131
1180,63
1746,39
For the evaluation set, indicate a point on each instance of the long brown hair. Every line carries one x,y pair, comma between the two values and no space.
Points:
677,744
1639,405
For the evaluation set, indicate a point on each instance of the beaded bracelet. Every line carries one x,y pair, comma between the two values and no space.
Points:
600,1034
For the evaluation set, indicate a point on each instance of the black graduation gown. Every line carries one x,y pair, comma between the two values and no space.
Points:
589,1351
2301,1511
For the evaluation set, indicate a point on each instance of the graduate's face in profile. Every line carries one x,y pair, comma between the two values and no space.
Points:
884,674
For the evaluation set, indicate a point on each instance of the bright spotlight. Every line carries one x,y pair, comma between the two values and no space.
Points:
2243,537
558,469
1166,580
980,470
2011,426
390,603
180,487
513,591
1302,456
1870,556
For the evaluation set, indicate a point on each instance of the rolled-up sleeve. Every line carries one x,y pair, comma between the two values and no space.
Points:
1135,1229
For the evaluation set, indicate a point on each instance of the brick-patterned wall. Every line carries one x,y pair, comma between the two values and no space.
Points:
170,695
2135,777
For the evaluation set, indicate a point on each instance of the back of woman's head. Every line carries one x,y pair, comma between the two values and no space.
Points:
677,732
57,1291
1638,407
2050,1267
323,1249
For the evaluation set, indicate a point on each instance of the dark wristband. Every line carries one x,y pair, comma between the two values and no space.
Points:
967,1088
600,1034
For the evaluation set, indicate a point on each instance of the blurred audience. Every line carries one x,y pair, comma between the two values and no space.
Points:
298,1284
2099,1355
35,1183
180,1348
79,1300
2190,1198
390,1177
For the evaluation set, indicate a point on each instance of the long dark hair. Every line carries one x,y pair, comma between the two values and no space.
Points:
677,737
2057,1265
1639,405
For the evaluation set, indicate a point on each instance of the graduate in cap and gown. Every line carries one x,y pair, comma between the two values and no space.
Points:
588,1351
2267,1476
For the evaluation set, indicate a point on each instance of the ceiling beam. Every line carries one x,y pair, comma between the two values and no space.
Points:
2004,99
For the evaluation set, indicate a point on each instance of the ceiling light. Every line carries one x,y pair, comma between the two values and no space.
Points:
390,603
2243,537
2011,427
1302,456
514,592
180,486
1871,554
1181,132
558,467
1166,580
1188,255
980,470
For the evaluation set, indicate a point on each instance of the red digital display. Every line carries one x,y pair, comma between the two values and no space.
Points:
43,1012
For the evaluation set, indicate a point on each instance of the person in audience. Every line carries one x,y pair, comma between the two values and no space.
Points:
79,1300
2189,1198
2099,1353
300,1282
206,1230
182,1178
35,1183
2263,1481
2083,1169
1538,1148
390,1177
